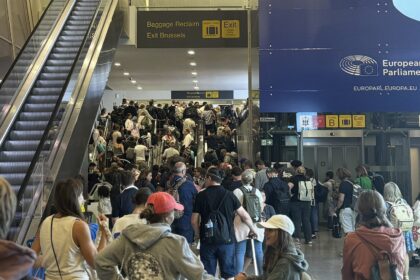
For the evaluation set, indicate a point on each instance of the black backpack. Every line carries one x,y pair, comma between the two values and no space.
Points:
220,233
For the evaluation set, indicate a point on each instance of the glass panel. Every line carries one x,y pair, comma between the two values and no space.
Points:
15,77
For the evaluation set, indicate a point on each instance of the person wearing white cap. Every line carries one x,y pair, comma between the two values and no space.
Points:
282,259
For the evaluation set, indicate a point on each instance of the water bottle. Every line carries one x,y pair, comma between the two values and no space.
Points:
209,229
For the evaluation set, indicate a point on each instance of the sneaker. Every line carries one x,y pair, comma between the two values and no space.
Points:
313,236
309,243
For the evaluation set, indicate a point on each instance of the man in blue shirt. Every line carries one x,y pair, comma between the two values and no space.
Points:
126,200
187,193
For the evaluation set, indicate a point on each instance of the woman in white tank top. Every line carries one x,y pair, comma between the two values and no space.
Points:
63,240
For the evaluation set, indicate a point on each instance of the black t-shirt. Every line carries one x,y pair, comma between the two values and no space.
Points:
346,188
209,199
234,185
295,190
275,190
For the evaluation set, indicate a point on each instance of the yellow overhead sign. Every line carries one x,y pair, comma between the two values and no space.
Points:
331,121
211,29
231,29
359,121
345,121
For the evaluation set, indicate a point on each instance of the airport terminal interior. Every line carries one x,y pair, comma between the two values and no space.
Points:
119,119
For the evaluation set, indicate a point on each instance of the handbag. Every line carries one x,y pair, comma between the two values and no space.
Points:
336,232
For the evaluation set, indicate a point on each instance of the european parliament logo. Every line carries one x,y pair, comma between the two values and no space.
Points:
359,65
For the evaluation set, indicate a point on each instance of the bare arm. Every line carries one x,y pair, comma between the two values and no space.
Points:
340,201
195,221
246,219
81,236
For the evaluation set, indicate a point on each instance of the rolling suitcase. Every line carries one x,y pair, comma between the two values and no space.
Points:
254,257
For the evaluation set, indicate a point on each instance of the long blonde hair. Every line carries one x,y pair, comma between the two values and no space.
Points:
7,207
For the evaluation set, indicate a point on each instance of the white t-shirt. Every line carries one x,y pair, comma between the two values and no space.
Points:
140,151
124,222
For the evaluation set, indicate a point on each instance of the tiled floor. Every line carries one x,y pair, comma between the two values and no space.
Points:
324,260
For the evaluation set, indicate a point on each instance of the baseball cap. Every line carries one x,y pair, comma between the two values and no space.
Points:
278,222
163,203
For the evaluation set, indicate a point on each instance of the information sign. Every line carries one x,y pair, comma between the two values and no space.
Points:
185,29
209,94
332,121
359,121
345,121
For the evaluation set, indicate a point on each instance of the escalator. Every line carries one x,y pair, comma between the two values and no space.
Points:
39,118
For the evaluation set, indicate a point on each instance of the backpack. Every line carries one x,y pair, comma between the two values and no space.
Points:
251,204
357,190
401,215
173,190
217,229
143,266
383,268
306,191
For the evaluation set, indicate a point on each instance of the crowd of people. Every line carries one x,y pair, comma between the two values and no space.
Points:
136,128
176,221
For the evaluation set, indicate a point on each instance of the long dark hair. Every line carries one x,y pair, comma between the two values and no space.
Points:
66,198
273,253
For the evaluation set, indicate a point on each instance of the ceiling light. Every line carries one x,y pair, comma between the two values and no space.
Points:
126,74
192,63
195,81
133,81
117,64
139,88
194,73
191,52
196,88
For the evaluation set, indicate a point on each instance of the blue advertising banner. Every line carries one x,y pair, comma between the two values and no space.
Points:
339,56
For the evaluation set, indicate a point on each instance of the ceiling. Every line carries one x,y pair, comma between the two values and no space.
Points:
169,69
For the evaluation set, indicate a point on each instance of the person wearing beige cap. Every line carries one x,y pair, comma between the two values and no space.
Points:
151,251
282,259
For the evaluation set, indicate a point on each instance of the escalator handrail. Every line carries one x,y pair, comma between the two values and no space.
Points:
25,45
44,138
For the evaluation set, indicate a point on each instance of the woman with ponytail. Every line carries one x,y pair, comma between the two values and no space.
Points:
375,234
151,251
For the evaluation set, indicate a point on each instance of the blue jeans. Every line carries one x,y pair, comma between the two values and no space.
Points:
315,218
225,254
243,249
